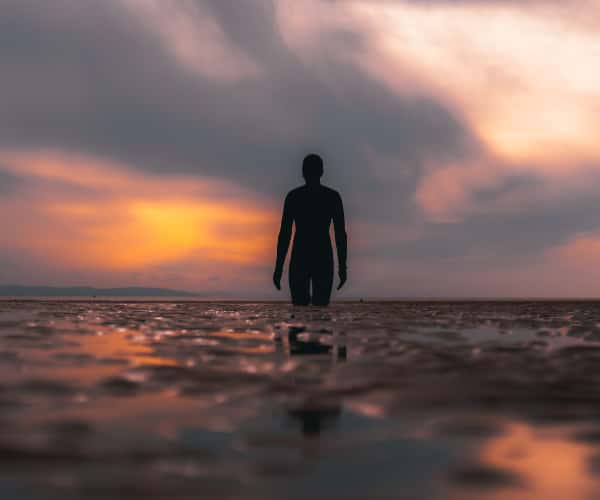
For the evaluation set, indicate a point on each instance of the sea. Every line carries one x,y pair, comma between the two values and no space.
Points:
135,398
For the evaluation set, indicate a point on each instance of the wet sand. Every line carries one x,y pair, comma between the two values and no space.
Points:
178,400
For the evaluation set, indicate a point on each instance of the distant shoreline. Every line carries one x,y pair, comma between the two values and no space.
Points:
228,300
88,291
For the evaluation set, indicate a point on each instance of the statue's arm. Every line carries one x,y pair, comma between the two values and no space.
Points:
285,234
341,240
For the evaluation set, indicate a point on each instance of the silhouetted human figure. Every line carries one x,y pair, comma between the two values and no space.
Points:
312,208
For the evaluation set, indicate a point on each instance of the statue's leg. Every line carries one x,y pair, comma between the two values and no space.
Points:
299,284
322,282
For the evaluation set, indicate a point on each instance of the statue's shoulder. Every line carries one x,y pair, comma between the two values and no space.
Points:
331,192
296,192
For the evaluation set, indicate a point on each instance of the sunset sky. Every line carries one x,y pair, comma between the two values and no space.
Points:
151,142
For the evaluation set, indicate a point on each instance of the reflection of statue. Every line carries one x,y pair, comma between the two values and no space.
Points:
315,415
314,419
297,345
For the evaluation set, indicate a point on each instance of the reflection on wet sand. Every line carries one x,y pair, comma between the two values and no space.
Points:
314,416
535,463
176,400
313,421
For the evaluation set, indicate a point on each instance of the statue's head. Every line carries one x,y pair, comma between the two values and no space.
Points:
312,168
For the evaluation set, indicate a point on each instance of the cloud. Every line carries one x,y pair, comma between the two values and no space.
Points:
195,39
491,61
134,222
461,134
8,183
121,94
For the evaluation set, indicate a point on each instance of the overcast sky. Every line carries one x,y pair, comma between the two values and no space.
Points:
151,142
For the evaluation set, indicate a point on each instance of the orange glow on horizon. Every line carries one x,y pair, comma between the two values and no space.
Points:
134,220
145,232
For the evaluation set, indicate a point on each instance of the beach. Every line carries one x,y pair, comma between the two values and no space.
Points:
189,399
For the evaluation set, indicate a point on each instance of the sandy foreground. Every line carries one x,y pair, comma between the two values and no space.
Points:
177,400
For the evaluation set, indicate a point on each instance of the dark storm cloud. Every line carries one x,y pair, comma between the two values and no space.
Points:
8,183
94,80
505,236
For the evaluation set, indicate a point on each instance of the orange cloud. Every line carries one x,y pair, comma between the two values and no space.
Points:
132,220
445,193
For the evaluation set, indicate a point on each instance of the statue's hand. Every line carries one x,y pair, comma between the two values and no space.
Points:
342,275
277,278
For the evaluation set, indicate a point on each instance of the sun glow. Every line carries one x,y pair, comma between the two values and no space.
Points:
132,221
